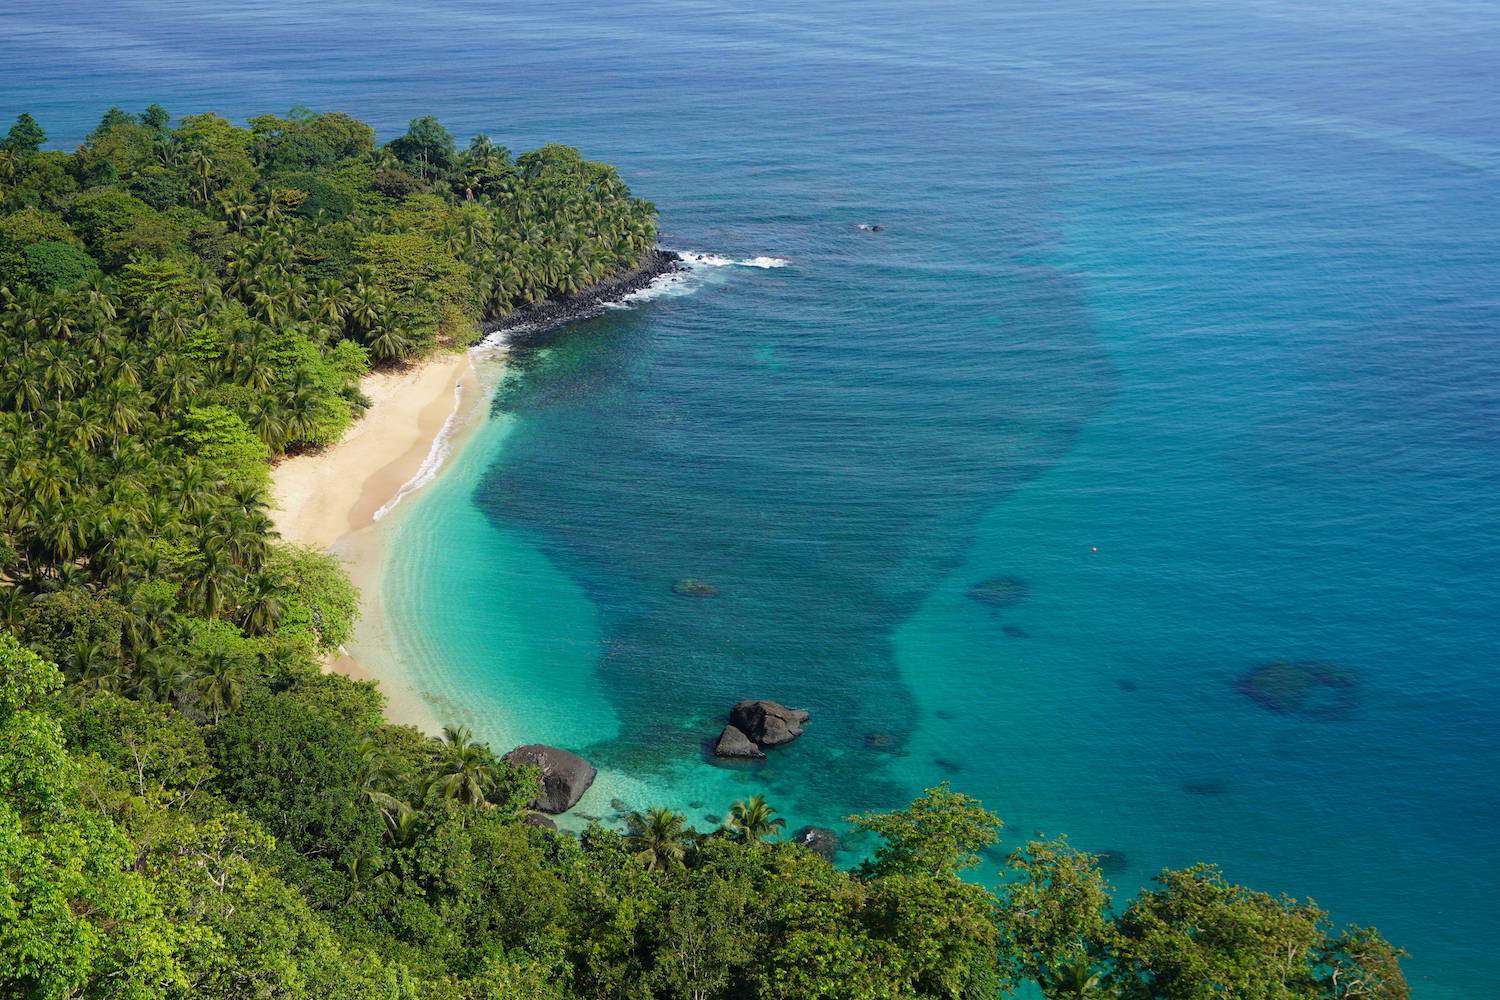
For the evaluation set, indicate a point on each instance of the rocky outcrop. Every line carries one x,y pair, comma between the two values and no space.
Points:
735,744
768,723
818,839
550,313
565,776
690,587
540,822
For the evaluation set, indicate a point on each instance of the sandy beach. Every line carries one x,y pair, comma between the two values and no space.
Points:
331,499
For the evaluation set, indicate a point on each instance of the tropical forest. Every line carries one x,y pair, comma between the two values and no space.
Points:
190,807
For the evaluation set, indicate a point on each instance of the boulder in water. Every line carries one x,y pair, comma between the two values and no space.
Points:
565,776
734,743
818,839
767,723
540,821
999,591
690,587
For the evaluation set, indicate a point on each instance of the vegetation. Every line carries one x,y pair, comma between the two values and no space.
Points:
190,808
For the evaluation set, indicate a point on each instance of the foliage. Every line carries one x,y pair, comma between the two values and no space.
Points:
190,807
1054,917
940,833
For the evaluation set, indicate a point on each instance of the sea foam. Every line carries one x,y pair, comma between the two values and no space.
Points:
436,456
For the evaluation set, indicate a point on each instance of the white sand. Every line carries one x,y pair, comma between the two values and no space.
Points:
328,499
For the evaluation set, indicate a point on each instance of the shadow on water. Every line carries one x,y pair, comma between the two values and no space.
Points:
819,502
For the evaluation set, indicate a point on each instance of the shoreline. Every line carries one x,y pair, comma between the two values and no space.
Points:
334,499
540,317
419,419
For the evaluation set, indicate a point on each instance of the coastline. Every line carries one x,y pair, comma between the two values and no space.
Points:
333,499
419,419
539,317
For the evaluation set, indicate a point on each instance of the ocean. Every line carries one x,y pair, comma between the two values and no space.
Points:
1181,329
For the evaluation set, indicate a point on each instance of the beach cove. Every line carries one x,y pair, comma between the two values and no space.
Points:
335,499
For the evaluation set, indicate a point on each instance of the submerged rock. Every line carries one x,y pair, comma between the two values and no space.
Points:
1015,631
878,741
818,839
1112,862
1206,787
768,723
619,805
689,587
999,591
565,776
1310,688
734,743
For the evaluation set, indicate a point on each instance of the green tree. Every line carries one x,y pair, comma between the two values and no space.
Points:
76,919
940,833
1054,916
1197,937
25,137
57,265
427,147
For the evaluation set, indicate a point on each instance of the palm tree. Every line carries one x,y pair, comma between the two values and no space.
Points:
466,770
1075,981
222,683
658,837
260,606
750,820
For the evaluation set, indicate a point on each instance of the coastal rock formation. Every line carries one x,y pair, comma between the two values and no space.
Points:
540,821
590,301
818,839
870,227
768,723
734,743
565,776
1309,688
689,587
999,591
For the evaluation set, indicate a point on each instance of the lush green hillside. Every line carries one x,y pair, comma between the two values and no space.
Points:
189,808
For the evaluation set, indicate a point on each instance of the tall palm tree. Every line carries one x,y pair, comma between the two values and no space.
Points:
658,837
751,819
466,770
223,681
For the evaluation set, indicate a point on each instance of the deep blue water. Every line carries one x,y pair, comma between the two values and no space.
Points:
1185,313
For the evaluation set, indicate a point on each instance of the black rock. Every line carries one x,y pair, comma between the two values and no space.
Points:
818,839
734,743
768,723
541,821
550,313
565,776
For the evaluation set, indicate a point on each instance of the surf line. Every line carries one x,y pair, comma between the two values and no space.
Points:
436,456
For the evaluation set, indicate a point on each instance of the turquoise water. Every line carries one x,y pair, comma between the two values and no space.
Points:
1183,313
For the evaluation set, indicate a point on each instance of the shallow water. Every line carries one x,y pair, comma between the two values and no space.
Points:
1183,313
